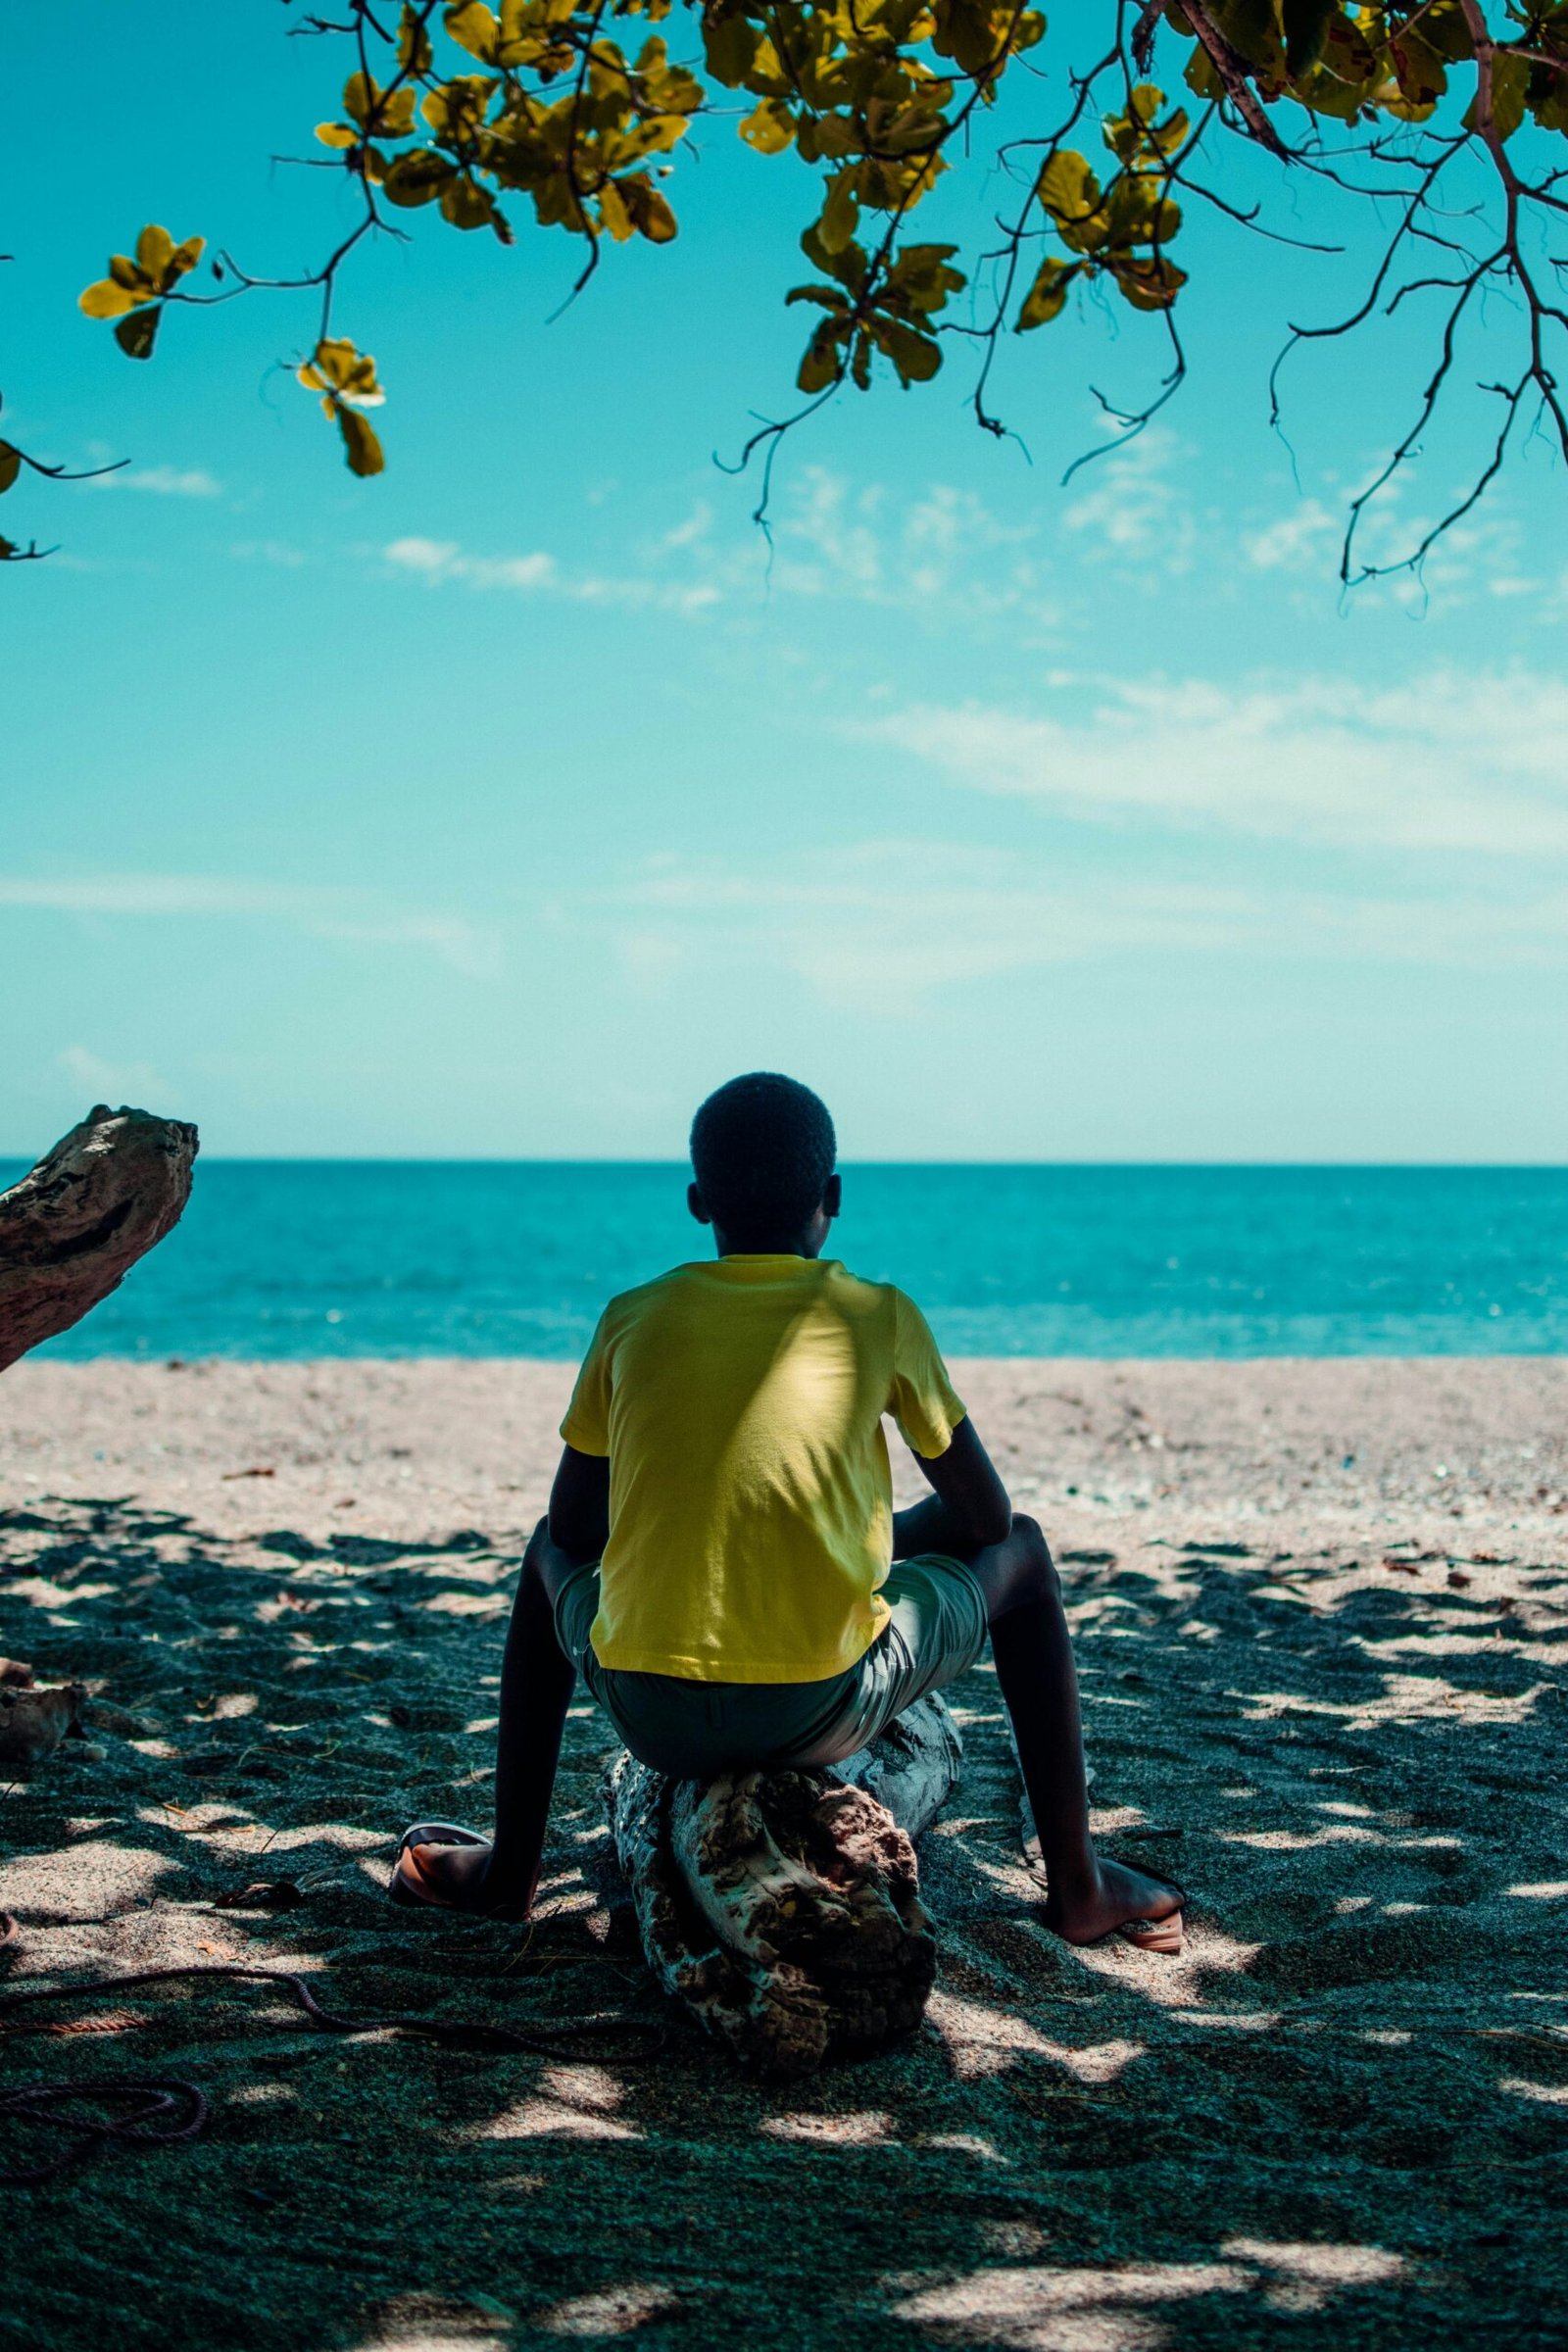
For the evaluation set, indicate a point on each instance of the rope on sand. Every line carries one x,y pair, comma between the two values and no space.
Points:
631,2040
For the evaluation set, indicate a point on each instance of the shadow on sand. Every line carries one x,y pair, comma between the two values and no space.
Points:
1341,2118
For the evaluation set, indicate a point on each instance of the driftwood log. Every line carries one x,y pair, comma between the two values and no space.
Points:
783,1909
72,1230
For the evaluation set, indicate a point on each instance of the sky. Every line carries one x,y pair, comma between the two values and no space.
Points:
504,805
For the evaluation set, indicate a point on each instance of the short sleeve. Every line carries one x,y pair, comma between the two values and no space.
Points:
924,1402
586,1428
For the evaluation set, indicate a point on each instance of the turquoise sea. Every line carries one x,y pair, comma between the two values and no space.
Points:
299,1259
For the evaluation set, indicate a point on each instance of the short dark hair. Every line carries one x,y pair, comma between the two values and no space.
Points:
762,1150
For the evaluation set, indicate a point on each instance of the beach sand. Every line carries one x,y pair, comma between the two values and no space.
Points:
1320,1609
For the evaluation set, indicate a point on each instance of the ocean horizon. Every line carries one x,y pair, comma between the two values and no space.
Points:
299,1259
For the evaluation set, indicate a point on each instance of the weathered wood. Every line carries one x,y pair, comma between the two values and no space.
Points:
783,1909
32,1723
72,1230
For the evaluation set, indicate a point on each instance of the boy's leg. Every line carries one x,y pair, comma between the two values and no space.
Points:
1086,1897
536,1685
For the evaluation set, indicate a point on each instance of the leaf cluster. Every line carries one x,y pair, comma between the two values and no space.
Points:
575,111
134,292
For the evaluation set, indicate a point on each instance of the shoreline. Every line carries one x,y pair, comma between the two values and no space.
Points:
1323,1454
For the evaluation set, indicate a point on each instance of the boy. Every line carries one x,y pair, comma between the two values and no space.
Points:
722,1563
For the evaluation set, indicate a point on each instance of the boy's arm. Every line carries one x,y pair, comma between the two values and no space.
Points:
579,1504
970,1508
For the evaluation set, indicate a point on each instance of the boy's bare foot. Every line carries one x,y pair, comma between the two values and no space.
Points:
456,1878
1111,1897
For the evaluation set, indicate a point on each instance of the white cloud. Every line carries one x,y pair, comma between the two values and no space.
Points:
269,551
1299,542
162,481
1129,511
321,912
886,923
438,562
440,559
943,550
112,1082
469,948
1451,763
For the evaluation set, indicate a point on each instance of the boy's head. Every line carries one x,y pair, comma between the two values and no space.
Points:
763,1153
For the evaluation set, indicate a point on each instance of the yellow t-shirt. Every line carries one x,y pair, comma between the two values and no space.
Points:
739,1401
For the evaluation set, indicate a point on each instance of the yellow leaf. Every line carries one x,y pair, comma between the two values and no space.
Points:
841,214
1068,189
769,127
1047,294
474,28
106,300
614,213
342,373
648,208
394,117
155,250
9,465
185,256
337,135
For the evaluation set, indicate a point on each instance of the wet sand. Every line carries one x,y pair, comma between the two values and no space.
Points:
1320,1609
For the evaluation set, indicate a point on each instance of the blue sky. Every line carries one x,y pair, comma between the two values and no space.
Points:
504,805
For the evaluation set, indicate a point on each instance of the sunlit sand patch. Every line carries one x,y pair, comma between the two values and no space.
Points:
572,2102
1014,2238
1410,1696
1014,1879
43,1594
1239,2021
1298,1842
190,1821
965,2144
613,2311
341,1834
470,2328
1168,1979
427,2340
1309,2276
1039,2310
1549,2094
982,2041
84,1881
467,1604
829,2131
1484,1645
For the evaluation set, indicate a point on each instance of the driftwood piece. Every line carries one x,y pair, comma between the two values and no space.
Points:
32,1723
72,1230
783,1909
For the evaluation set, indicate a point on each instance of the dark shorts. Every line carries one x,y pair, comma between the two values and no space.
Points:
694,1729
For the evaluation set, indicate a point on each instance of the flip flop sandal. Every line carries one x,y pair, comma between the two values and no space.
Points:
1165,1935
405,1884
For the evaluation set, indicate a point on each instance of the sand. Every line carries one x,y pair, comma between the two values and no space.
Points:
1320,1609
